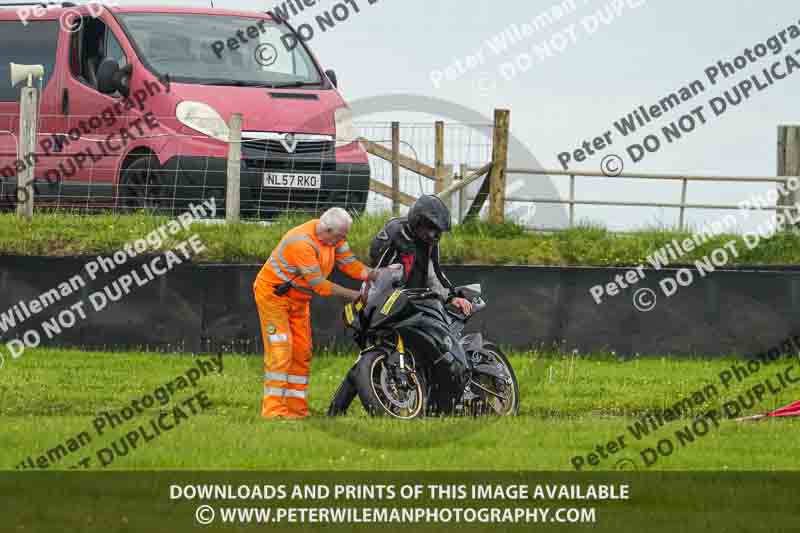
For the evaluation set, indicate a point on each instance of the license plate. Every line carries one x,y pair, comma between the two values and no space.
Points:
292,181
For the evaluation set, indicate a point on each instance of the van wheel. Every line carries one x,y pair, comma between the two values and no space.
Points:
352,201
142,186
334,199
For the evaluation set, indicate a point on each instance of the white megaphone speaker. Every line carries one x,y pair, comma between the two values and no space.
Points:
25,72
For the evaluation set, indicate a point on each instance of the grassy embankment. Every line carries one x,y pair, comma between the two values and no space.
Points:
66,234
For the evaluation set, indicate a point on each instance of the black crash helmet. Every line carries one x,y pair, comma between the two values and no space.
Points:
429,212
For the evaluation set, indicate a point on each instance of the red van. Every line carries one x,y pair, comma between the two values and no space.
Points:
136,102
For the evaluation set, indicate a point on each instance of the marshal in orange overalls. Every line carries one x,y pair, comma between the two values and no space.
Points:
286,320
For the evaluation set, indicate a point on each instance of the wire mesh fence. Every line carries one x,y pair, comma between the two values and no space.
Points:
9,155
464,144
91,163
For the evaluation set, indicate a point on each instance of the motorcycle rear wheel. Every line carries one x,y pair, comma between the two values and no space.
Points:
493,405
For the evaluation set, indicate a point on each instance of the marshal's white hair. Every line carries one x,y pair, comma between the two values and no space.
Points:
335,219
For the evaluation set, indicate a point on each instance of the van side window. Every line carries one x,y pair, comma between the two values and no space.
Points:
114,49
34,44
90,46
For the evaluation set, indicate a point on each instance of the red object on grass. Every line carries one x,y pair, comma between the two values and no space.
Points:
790,410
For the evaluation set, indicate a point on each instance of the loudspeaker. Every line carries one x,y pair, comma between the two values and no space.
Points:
25,72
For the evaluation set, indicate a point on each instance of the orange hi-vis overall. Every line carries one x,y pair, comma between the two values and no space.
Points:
303,260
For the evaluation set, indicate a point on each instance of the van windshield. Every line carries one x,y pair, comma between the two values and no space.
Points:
221,50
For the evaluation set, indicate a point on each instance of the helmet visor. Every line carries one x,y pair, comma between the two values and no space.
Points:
428,232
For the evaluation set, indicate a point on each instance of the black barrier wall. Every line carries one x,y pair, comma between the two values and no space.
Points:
198,308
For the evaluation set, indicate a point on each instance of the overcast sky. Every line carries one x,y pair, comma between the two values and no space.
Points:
603,73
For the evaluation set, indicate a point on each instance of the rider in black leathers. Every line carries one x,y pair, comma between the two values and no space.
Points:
412,241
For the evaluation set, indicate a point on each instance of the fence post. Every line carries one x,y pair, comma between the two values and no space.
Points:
462,195
572,200
447,181
233,191
396,168
788,162
28,119
683,203
439,157
497,177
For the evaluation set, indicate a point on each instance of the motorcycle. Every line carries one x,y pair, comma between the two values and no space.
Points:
415,360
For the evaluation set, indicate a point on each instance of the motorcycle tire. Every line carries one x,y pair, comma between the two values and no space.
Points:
370,392
495,350
342,398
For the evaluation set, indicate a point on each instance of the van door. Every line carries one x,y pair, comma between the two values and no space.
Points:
93,120
33,44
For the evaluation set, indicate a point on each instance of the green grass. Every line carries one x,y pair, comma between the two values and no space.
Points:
63,234
569,406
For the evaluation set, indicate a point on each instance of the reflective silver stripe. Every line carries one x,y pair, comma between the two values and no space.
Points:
309,270
284,277
315,281
277,270
281,392
291,240
346,260
286,242
343,249
298,380
289,268
274,376
313,244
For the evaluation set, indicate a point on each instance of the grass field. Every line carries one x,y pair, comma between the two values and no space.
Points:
569,406
64,234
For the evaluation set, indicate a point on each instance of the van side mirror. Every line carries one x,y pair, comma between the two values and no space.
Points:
111,78
332,76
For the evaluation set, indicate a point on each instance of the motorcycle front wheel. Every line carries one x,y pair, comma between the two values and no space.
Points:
386,390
